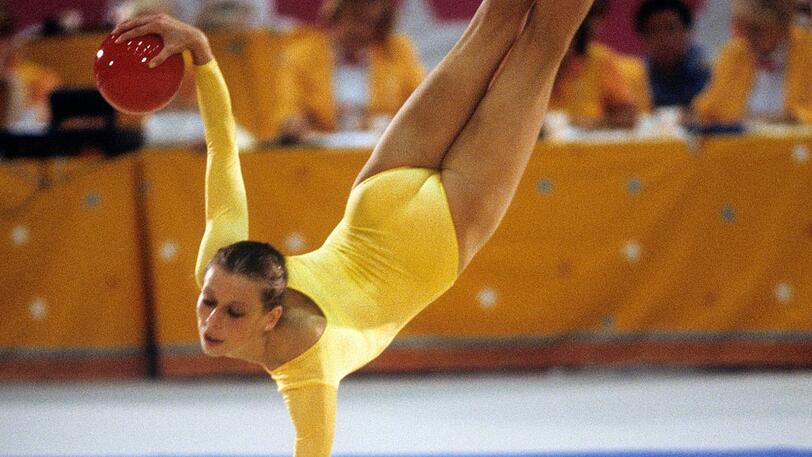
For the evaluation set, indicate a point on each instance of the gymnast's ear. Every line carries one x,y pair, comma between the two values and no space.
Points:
272,317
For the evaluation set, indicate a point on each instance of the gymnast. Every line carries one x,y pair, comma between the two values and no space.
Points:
432,193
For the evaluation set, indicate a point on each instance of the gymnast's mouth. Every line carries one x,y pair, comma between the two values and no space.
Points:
210,339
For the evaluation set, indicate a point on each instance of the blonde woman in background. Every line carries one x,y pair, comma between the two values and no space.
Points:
598,87
351,73
763,73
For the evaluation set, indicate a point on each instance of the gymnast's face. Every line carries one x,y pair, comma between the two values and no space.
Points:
231,320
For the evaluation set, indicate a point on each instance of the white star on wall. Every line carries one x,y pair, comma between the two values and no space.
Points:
783,292
800,153
631,251
20,235
169,250
38,309
295,242
487,298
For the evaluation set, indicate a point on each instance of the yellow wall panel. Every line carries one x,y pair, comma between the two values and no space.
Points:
71,276
19,181
175,223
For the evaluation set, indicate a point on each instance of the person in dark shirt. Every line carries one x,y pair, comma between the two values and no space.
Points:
676,67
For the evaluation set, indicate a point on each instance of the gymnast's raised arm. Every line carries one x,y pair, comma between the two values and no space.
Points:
226,204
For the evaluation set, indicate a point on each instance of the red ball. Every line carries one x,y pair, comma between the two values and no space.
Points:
125,80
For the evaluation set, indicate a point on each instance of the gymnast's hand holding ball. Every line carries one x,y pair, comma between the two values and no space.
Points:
139,67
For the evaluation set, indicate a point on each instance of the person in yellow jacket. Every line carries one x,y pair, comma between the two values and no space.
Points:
433,192
353,73
763,73
598,87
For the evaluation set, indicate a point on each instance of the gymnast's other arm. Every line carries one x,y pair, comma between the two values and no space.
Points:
312,409
226,203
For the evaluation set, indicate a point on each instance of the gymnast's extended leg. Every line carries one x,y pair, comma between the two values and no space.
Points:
483,167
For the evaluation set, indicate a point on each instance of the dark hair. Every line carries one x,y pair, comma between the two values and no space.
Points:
599,9
651,7
580,42
260,262
6,26
332,9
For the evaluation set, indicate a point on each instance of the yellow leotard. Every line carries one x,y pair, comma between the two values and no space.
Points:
393,253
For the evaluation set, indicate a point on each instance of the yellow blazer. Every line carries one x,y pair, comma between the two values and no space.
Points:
634,72
587,85
307,75
726,97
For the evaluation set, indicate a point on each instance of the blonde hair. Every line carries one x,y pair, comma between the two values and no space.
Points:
6,27
777,11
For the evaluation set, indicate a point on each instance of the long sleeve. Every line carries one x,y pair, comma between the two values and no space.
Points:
312,409
226,203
